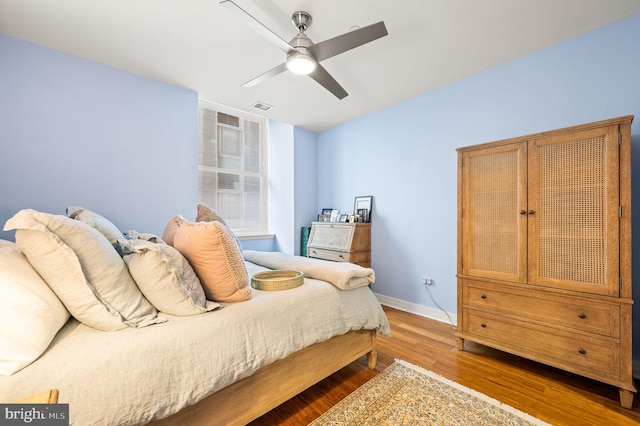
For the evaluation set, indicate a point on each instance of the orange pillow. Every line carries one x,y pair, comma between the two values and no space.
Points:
171,228
212,252
205,214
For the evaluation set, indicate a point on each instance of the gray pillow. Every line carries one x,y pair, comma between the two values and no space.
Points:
165,277
105,226
83,269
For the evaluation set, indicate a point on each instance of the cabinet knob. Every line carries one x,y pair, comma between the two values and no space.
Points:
582,315
582,351
483,325
523,212
341,256
532,212
483,296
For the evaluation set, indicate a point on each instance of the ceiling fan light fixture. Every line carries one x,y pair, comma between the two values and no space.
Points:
301,63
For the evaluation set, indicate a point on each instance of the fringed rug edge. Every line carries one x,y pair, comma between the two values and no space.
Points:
479,395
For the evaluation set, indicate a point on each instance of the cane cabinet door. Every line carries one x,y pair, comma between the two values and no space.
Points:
573,210
494,220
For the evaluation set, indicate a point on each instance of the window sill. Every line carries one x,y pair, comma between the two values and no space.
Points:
255,236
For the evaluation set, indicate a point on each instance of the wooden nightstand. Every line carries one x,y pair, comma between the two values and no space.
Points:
46,397
341,242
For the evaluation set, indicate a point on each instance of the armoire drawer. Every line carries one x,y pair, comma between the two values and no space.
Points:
580,314
586,354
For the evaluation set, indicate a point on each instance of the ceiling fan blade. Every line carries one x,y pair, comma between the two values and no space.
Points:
258,26
262,77
324,78
334,46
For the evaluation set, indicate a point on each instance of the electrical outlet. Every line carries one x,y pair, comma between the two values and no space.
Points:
427,281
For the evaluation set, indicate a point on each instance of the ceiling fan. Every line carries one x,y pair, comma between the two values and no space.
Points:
303,55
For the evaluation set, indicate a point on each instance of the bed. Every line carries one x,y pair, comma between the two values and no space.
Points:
227,366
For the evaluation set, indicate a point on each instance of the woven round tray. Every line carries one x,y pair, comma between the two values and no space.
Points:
280,279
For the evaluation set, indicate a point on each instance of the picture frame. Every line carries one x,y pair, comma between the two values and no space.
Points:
325,216
363,203
344,217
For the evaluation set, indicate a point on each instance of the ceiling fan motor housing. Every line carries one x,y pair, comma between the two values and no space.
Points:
302,20
301,43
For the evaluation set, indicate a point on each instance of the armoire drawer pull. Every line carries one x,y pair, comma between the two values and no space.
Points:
484,296
582,315
483,325
582,351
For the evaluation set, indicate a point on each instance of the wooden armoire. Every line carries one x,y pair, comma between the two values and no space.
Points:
544,249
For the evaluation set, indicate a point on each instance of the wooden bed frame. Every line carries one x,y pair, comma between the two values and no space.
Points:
251,397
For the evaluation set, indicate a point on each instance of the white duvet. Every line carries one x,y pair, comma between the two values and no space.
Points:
134,376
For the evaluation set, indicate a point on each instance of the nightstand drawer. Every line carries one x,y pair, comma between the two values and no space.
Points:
358,257
336,256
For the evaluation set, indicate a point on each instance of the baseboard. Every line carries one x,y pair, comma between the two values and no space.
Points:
416,309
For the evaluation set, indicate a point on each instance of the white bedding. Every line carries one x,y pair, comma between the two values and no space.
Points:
133,376
344,275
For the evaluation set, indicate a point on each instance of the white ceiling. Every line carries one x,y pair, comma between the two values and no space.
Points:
201,46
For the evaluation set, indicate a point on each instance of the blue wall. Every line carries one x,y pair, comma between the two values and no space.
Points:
405,155
305,181
74,131
77,132
281,171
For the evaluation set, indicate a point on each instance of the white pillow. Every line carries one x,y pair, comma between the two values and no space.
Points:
30,313
105,226
165,277
83,269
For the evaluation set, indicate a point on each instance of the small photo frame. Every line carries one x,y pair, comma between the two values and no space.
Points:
344,217
325,216
363,205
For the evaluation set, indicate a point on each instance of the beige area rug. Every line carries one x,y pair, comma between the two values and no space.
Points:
405,394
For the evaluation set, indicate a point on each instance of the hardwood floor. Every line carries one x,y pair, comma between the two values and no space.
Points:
549,394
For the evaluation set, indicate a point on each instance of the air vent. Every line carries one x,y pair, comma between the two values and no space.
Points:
262,106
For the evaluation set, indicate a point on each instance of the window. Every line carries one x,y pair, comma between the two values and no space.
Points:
232,167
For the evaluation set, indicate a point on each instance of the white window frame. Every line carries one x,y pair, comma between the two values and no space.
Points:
242,229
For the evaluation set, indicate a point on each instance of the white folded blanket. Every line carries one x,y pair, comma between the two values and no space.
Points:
343,275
